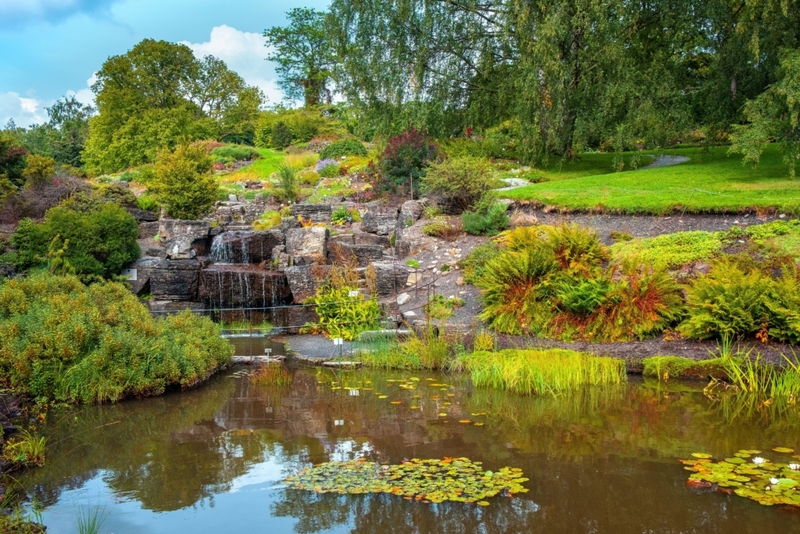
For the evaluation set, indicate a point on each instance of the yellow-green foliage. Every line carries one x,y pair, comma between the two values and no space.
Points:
735,301
25,449
541,372
671,250
551,281
783,236
344,311
62,340
269,219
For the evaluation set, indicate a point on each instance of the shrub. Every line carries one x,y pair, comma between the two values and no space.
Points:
405,158
61,340
343,310
460,182
442,228
489,218
577,249
441,308
414,264
183,182
268,219
327,168
235,153
345,147
96,242
288,186
731,302
472,266
671,250
281,136
341,215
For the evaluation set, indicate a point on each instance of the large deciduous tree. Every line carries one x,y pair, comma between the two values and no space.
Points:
159,93
304,56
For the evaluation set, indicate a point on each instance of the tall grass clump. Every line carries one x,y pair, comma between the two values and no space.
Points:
65,341
541,372
272,374
426,350
24,449
90,521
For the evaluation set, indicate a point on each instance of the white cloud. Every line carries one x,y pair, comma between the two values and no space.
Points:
24,111
244,53
85,95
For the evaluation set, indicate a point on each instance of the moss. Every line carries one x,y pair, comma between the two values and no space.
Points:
666,367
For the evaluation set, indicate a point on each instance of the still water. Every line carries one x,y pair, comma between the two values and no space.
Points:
212,460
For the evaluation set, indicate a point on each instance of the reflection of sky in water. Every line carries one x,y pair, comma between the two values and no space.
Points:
245,507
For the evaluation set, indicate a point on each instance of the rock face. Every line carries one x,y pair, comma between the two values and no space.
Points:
175,280
169,228
364,254
318,213
380,219
411,210
301,281
243,286
307,245
245,246
391,278
179,247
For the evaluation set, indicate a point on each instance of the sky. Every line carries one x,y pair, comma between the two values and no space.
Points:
52,48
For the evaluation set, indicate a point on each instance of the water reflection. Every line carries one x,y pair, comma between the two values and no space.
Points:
602,460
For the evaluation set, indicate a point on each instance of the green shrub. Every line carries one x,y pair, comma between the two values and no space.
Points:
61,340
328,168
732,302
281,136
235,153
440,308
472,266
441,227
405,159
460,182
671,250
341,215
288,186
344,147
343,310
577,248
183,182
94,242
414,264
489,218
269,219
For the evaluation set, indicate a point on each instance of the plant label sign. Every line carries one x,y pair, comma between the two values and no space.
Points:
130,274
338,341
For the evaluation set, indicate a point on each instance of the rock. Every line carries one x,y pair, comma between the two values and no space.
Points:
413,279
318,213
307,245
243,286
363,238
287,223
148,229
364,254
142,215
232,198
180,248
390,277
460,281
346,239
143,268
169,228
301,281
280,260
409,315
380,220
402,298
245,246
175,280
411,210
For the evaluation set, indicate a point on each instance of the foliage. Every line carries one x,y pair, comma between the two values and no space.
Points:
12,164
440,307
489,217
460,182
436,481
327,168
739,301
97,241
269,219
61,340
90,521
183,182
342,215
24,450
288,186
414,264
40,170
750,476
158,94
16,523
442,227
541,372
271,374
281,136
343,147
235,153
304,56
671,250
343,310
303,123
550,281
472,266
405,159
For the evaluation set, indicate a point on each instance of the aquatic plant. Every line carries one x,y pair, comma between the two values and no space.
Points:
89,521
425,350
541,372
671,367
428,481
271,374
754,477
25,449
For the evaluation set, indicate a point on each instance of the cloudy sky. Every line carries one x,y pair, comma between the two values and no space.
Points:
52,48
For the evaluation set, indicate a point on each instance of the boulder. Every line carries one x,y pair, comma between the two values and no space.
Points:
180,247
307,245
175,280
318,213
287,223
245,246
391,278
411,210
363,238
169,228
142,215
380,219
301,281
364,254
280,260
148,229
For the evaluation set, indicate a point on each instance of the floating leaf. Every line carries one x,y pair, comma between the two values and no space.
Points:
396,402
701,455
442,414
786,450
478,424
465,421
383,396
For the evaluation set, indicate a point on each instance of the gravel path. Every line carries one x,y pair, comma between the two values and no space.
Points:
664,161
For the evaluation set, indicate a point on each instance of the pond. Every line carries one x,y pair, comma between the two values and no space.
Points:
213,460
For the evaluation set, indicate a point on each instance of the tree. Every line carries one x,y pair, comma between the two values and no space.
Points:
69,121
39,171
304,56
12,164
159,93
183,182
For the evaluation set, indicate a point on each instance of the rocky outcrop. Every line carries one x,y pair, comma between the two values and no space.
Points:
306,246
410,212
364,254
180,247
301,280
379,219
391,277
317,213
245,246
243,286
175,280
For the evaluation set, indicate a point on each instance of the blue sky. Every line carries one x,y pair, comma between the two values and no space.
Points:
50,48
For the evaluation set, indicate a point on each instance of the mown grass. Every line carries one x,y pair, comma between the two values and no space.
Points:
541,372
269,163
709,182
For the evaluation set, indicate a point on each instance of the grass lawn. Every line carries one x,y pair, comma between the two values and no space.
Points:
709,182
261,169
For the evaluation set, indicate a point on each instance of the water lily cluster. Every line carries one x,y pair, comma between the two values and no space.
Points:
428,481
750,476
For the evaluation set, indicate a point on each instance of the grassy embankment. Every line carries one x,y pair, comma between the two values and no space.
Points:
708,182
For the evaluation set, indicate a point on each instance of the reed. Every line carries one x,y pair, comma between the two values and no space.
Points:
541,372
89,521
272,374
25,449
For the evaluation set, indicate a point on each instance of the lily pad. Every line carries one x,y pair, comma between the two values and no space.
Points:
786,450
701,455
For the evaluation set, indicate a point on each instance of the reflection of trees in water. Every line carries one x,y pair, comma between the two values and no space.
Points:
389,513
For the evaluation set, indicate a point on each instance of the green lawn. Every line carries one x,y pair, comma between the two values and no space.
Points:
709,182
262,168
